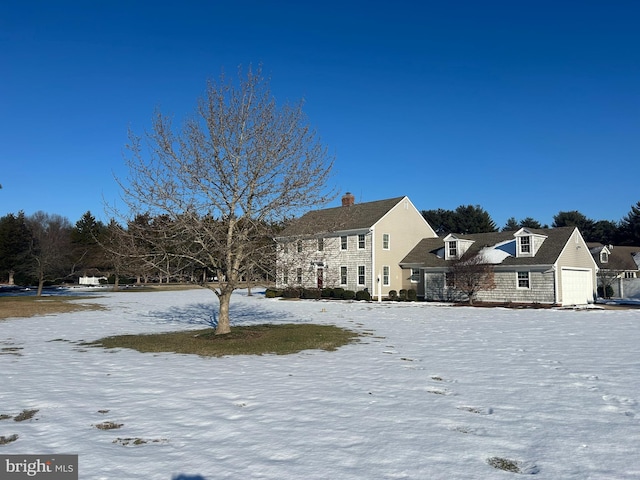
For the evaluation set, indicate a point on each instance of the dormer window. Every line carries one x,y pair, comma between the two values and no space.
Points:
528,243
604,256
452,248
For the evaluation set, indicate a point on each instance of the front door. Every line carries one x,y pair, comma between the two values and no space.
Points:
320,273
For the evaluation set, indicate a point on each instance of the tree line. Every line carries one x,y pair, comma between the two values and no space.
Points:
46,249
468,219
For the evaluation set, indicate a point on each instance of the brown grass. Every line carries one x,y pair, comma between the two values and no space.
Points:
250,340
11,307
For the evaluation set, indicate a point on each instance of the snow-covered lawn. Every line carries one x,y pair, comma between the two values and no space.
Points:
430,392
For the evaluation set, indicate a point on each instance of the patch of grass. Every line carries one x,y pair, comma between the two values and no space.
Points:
4,416
11,438
11,307
252,340
25,415
125,442
514,466
108,426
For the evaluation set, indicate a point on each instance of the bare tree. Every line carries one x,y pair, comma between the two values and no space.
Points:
472,274
239,164
608,274
51,244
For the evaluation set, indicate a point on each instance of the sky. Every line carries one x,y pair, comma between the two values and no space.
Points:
429,391
523,108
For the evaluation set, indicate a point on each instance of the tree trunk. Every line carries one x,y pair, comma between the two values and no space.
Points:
11,280
224,326
40,285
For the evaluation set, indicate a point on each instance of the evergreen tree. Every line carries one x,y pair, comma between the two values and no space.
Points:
574,218
630,227
473,219
15,240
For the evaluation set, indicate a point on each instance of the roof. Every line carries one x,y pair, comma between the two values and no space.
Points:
500,246
354,217
620,257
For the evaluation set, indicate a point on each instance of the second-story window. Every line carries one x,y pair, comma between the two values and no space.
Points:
299,246
453,249
320,244
385,241
343,242
361,241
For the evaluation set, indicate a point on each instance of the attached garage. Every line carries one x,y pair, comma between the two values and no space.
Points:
577,286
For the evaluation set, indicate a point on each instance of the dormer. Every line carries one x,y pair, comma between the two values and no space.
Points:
604,254
528,242
455,246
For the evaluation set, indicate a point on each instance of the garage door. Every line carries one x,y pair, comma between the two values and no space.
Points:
577,286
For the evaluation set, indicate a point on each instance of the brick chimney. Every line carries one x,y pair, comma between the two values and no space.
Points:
348,199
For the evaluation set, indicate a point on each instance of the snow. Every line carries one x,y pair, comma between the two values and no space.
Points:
430,391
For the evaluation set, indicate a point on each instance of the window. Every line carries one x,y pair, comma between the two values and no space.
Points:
361,241
320,244
285,278
285,248
604,257
385,241
453,249
361,277
343,242
629,274
525,244
385,275
343,275
523,280
415,275
299,276
299,246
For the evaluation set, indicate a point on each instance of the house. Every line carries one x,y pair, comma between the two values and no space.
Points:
546,266
619,268
355,246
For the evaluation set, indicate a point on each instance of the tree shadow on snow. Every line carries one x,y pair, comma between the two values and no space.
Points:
182,476
206,315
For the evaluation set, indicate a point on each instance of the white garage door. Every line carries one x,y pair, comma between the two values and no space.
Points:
577,287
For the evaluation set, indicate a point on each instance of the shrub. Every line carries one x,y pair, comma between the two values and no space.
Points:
348,295
412,295
393,294
403,295
272,293
608,290
311,293
363,295
337,293
327,293
291,292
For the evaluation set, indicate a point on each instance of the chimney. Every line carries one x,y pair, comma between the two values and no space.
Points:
348,199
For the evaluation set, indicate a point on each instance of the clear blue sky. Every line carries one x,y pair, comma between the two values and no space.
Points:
526,108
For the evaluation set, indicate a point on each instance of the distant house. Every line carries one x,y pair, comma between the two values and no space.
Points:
546,266
355,246
91,280
619,267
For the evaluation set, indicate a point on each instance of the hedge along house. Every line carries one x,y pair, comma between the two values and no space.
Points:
355,246
546,266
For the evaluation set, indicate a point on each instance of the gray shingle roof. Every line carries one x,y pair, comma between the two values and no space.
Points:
620,257
424,254
354,217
